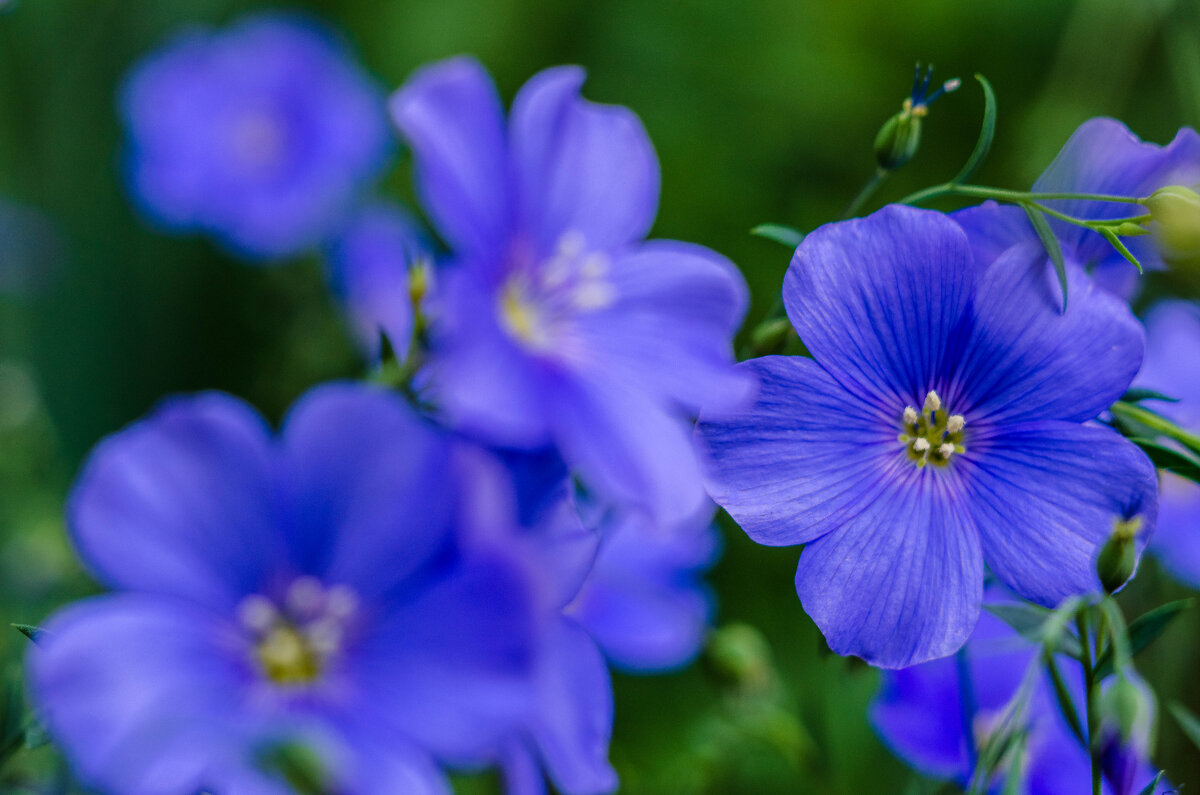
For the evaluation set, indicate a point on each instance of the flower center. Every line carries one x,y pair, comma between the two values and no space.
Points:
932,434
258,140
294,642
537,304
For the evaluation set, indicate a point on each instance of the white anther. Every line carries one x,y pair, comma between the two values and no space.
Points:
955,423
571,243
256,612
595,266
324,636
947,450
910,415
932,401
340,602
593,295
305,595
921,445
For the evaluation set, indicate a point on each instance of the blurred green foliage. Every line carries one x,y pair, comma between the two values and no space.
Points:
761,110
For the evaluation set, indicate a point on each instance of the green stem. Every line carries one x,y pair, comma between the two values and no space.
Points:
1013,196
1089,678
867,191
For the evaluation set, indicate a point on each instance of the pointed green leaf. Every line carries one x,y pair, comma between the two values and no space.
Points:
35,634
1137,413
1050,243
1171,460
1144,630
1188,722
1137,394
1119,245
780,233
1153,785
987,132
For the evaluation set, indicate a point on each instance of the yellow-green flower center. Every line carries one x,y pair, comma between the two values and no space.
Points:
293,643
933,434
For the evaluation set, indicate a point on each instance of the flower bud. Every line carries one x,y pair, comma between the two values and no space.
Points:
900,136
1118,556
1175,222
1126,735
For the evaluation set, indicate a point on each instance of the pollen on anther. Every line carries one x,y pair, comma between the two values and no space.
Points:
955,423
932,401
946,450
921,445
910,415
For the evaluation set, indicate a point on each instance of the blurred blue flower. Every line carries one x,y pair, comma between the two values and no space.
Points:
1102,156
369,264
557,323
331,586
263,135
919,714
618,589
940,424
1172,366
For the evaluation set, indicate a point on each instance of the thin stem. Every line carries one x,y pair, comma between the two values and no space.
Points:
867,191
1013,196
1089,678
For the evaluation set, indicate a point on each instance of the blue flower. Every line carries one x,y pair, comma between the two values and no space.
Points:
940,424
369,264
558,325
329,586
920,715
1102,156
263,135
1172,366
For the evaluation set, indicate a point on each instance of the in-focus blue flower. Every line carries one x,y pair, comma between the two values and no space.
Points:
942,423
1103,157
369,264
1172,366
622,590
558,324
263,135
329,586
919,714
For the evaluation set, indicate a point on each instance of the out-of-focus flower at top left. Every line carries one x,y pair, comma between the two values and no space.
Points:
263,135
328,588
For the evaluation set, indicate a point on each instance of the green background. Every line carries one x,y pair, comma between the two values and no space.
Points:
761,110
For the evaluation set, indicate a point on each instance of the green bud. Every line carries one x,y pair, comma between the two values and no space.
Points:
1175,222
771,336
420,278
1118,556
738,655
899,138
1121,706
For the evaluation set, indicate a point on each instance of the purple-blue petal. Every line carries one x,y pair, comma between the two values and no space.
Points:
182,503
880,301
802,459
993,228
451,116
901,581
1045,496
1027,360
580,166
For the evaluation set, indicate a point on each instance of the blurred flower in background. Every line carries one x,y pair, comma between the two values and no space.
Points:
330,589
1101,157
939,715
263,135
557,325
1172,367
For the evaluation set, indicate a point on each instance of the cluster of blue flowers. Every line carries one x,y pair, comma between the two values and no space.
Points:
404,581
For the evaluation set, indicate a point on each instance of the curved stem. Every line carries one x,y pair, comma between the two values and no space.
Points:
867,191
1012,196
1089,678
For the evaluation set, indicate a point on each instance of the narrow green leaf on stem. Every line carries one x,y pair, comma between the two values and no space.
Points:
1050,242
1188,722
1138,394
868,190
1157,423
987,132
784,235
1168,459
1143,631
35,634
1152,787
1116,242
1065,704
1118,633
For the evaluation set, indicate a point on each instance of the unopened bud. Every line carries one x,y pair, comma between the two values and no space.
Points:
420,279
898,140
1121,707
1175,222
1118,557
